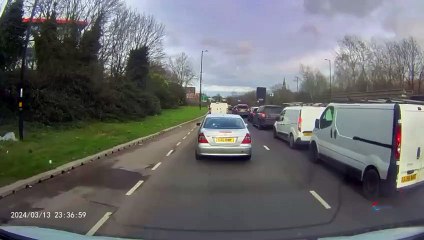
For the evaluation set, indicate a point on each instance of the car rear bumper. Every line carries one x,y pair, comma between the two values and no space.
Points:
208,150
267,122
243,113
304,140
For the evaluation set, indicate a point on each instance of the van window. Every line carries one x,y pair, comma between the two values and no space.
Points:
327,117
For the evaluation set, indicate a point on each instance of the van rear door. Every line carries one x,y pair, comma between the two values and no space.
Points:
309,115
411,163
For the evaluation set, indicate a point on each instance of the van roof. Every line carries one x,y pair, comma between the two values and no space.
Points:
302,107
364,105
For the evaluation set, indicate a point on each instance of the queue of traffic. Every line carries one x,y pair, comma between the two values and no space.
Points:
380,144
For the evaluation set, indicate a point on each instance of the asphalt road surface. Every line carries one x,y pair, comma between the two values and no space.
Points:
159,191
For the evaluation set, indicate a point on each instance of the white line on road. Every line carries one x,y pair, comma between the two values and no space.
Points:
319,198
156,166
170,152
267,148
178,143
188,133
132,190
184,137
96,227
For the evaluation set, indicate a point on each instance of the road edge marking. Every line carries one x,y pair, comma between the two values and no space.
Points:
132,190
320,199
267,148
156,166
99,223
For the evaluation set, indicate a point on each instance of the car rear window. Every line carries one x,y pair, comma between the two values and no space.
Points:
273,110
224,123
242,107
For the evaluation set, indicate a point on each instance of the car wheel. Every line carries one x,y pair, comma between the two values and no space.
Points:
371,184
274,133
260,127
197,156
247,158
313,153
292,143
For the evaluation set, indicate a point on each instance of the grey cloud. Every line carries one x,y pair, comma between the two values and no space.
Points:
309,29
359,8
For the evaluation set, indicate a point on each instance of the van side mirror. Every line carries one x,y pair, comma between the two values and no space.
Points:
198,124
317,123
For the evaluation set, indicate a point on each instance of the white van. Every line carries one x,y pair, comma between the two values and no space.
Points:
380,144
296,124
218,108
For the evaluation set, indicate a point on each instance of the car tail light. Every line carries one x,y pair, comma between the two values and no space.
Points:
299,124
247,139
262,115
202,138
398,137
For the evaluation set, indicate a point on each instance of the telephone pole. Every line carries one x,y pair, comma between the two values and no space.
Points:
201,71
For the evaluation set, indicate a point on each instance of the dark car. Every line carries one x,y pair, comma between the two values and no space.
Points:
266,115
241,109
252,112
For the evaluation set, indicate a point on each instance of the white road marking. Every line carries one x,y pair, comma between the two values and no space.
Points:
319,198
188,133
178,143
184,137
156,166
169,153
267,148
132,190
96,227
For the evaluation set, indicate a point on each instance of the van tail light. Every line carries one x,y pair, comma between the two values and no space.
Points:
262,115
202,138
398,137
299,124
247,139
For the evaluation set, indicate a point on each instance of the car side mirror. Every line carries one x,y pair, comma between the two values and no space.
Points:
198,124
317,123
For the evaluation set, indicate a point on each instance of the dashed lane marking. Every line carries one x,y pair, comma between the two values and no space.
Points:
169,153
267,148
178,143
96,227
156,166
132,190
184,137
320,199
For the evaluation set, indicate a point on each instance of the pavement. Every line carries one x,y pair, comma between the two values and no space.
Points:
158,190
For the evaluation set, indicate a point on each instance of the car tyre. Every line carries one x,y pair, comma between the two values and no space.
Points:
247,158
292,143
371,184
260,127
313,153
197,156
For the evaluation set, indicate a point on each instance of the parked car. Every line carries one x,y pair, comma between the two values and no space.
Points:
241,109
266,115
218,108
380,144
295,124
223,135
252,112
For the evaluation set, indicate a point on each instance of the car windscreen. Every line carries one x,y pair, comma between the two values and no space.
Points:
224,123
242,107
273,110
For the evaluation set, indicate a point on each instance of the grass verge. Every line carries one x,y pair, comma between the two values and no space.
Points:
19,160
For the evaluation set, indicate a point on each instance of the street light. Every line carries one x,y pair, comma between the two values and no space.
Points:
201,71
297,82
329,63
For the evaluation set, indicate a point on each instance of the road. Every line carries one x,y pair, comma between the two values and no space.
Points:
159,191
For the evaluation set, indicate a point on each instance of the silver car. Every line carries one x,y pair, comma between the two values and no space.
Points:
223,135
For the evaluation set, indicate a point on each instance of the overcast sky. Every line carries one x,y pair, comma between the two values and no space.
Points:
258,43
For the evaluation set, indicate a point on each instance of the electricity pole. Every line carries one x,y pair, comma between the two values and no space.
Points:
201,71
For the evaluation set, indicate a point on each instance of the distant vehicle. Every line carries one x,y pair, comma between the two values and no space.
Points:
223,135
380,144
265,116
241,109
218,108
252,112
295,124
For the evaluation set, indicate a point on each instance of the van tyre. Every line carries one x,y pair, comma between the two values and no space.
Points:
371,184
292,143
274,133
313,153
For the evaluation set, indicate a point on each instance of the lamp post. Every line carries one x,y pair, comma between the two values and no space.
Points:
201,71
329,63
297,83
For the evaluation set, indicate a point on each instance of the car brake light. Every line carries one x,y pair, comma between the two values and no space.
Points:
247,139
299,124
202,138
262,115
398,137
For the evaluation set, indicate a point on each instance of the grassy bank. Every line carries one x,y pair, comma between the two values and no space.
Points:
20,160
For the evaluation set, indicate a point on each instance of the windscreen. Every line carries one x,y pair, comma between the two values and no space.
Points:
242,107
273,110
224,123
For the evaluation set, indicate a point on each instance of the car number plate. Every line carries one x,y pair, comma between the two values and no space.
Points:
307,134
225,140
409,178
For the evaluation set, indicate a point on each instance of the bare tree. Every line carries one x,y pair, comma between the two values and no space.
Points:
182,69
